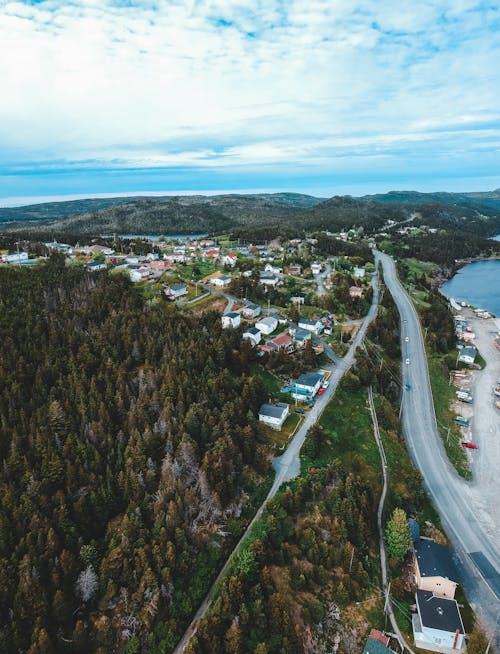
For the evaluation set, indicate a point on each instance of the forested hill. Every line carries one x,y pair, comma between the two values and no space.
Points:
256,217
130,449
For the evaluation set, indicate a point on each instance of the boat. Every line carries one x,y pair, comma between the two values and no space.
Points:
496,390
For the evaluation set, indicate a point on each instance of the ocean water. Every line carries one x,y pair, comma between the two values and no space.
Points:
478,284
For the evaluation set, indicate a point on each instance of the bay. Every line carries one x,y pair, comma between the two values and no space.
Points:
477,284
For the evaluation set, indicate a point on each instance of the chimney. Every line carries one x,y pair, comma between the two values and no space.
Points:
455,639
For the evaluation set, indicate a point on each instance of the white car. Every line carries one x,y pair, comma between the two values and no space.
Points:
407,362
407,339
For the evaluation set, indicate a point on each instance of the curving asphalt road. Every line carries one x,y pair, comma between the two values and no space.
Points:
477,552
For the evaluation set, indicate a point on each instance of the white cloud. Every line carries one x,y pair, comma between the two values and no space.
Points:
244,82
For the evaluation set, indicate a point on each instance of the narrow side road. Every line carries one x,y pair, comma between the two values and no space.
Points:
287,466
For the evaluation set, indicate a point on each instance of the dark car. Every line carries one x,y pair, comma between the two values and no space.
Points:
301,411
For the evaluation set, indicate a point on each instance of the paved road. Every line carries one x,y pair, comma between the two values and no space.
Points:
287,466
320,280
478,553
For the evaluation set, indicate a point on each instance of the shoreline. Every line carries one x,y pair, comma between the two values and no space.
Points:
447,275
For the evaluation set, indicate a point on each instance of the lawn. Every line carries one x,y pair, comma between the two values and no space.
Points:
443,394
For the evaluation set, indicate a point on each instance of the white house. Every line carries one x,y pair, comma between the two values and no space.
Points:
300,336
228,260
297,299
433,568
137,273
437,625
231,319
222,281
253,335
314,326
273,270
467,354
359,272
17,257
251,311
307,385
175,291
267,325
268,279
274,415
95,266
315,268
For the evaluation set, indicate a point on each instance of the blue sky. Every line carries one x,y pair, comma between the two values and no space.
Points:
318,96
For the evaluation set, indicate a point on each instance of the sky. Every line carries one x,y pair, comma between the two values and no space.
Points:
317,96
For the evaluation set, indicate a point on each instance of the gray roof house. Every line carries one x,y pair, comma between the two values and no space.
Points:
437,625
274,415
433,568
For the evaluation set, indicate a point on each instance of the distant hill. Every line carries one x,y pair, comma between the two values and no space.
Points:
164,215
256,216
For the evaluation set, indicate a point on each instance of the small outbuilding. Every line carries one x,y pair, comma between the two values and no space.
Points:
231,319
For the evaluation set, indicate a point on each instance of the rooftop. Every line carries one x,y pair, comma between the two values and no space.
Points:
273,410
309,379
438,612
434,560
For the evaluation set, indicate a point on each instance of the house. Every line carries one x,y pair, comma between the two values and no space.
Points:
274,415
356,291
95,266
314,326
175,291
228,260
467,354
307,385
281,343
301,336
137,273
433,568
268,279
295,269
231,319
267,325
273,270
437,624
59,247
247,273
17,257
253,335
377,643
251,311
222,281
316,268
297,299
358,272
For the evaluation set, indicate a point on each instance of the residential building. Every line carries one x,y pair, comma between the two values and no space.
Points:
295,269
222,281
314,326
273,270
280,318
137,273
359,272
316,268
307,385
467,354
433,568
377,643
228,260
59,247
268,279
301,336
356,291
175,291
16,257
281,343
437,624
95,266
274,415
267,325
231,319
253,335
297,299
251,311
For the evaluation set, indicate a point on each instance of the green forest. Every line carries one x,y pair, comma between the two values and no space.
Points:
130,456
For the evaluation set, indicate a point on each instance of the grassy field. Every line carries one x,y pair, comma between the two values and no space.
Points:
443,395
